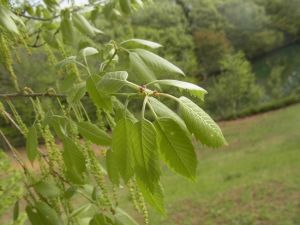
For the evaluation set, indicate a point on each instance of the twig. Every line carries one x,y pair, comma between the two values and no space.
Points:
14,152
32,95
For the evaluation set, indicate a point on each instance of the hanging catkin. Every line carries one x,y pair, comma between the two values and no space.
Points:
7,61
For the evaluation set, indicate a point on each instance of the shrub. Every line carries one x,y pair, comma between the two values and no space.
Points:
10,189
211,47
235,89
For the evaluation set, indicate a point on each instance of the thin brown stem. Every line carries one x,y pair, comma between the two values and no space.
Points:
31,95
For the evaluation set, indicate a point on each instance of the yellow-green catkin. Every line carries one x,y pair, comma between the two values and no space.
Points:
18,118
55,155
23,39
72,68
43,167
138,200
115,196
7,61
100,118
143,207
98,174
55,161
134,195
17,55
51,57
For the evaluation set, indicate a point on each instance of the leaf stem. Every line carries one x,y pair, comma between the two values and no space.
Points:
152,110
144,106
110,60
170,96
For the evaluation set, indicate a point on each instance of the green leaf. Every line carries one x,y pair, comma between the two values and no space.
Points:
66,61
59,124
84,220
100,219
16,211
121,111
70,192
164,111
200,123
154,198
50,38
113,81
122,147
138,3
74,161
67,81
35,216
176,147
99,98
94,133
192,89
112,167
122,218
49,214
42,213
81,210
67,31
147,166
6,20
157,64
76,93
139,69
88,51
32,144
47,189
84,26
139,43
125,6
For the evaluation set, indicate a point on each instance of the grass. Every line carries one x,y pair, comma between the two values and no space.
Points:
254,180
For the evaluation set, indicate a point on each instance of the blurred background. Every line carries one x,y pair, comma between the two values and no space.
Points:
247,55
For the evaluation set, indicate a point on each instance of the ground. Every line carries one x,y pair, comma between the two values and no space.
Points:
254,180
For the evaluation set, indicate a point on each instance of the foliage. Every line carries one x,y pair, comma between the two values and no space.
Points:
238,82
211,47
253,179
274,85
112,75
167,25
10,189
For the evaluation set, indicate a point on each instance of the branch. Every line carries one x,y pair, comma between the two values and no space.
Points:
35,17
23,14
32,95
36,45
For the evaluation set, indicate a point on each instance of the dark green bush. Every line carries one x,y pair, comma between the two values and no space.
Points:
235,89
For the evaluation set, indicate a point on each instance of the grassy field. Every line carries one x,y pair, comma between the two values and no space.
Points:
255,180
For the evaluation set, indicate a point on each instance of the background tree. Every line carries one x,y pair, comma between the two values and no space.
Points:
238,82
71,184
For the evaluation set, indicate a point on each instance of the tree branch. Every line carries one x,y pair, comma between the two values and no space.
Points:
35,17
32,95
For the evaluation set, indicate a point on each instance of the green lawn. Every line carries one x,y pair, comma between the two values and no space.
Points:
255,180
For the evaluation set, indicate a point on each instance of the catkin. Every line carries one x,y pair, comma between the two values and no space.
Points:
134,195
55,156
7,61
23,38
98,174
18,118
72,68
144,208
141,202
51,57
